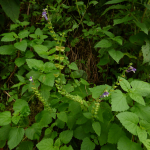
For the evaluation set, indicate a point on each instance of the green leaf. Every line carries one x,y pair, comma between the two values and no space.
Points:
125,144
48,67
21,45
40,49
87,144
118,101
7,50
123,20
80,3
118,39
88,115
141,111
20,61
142,134
103,44
93,2
35,64
8,37
74,107
99,90
4,132
47,79
125,85
62,116
38,31
2,143
142,26
15,137
34,36
71,121
25,145
24,23
5,118
129,120
116,55
46,144
136,96
97,128
11,8
66,148
73,66
66,136
81,120
115,133
146,52
147,144
84,82
114,1
23,34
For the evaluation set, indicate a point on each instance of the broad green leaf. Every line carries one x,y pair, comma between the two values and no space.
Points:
88,115
116,55
108,147
5,118
136,96
25,145
146,52
142,134
81,120
84,82
114,7
66,148
43,118
73,66
62,116
11,8
115,133
23,34
13,26
142,26
141,111
87,144
118,39
104,60
57,143
103,44
145,125
7,50
65,6
109,34
48,67
21,45
24,23
43,37
74,107
45,144
35,64
68,87
99,90
118,101
129,120
71,121
80,3
47,79
93,2
4,132
15,137
40,49
8,37
114,1
20,61
125,85
125,144
97,128
2,143
15,119
29,54
66,136
123,20
38,31
147,144
34,36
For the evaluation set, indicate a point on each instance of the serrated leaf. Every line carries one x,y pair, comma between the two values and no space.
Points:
62,116
136,96
4,132
7,50
66,136
23,34
115,133
84,82
15,137
35,64
124,84
129,120
87,144
122,20
114,1
25,145
142,26
73,66
74,107
125,144
97,128
88,115
38,31
8,38
118,39
40,49
5,118
142,134
21,45
103,44
20,61
45,144
118,101
116,55
146,52
47,79
93,2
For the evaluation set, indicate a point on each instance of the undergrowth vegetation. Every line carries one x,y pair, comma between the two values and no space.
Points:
75,75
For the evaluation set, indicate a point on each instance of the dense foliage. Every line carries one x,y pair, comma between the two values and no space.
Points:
75,75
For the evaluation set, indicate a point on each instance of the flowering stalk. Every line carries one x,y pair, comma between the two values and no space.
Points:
95,109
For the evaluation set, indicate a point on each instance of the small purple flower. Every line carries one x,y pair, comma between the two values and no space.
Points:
31,79
44,14
131,69
104,94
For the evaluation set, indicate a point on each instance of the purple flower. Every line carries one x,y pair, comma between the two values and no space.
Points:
104,94
31,79
131,69
44,14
